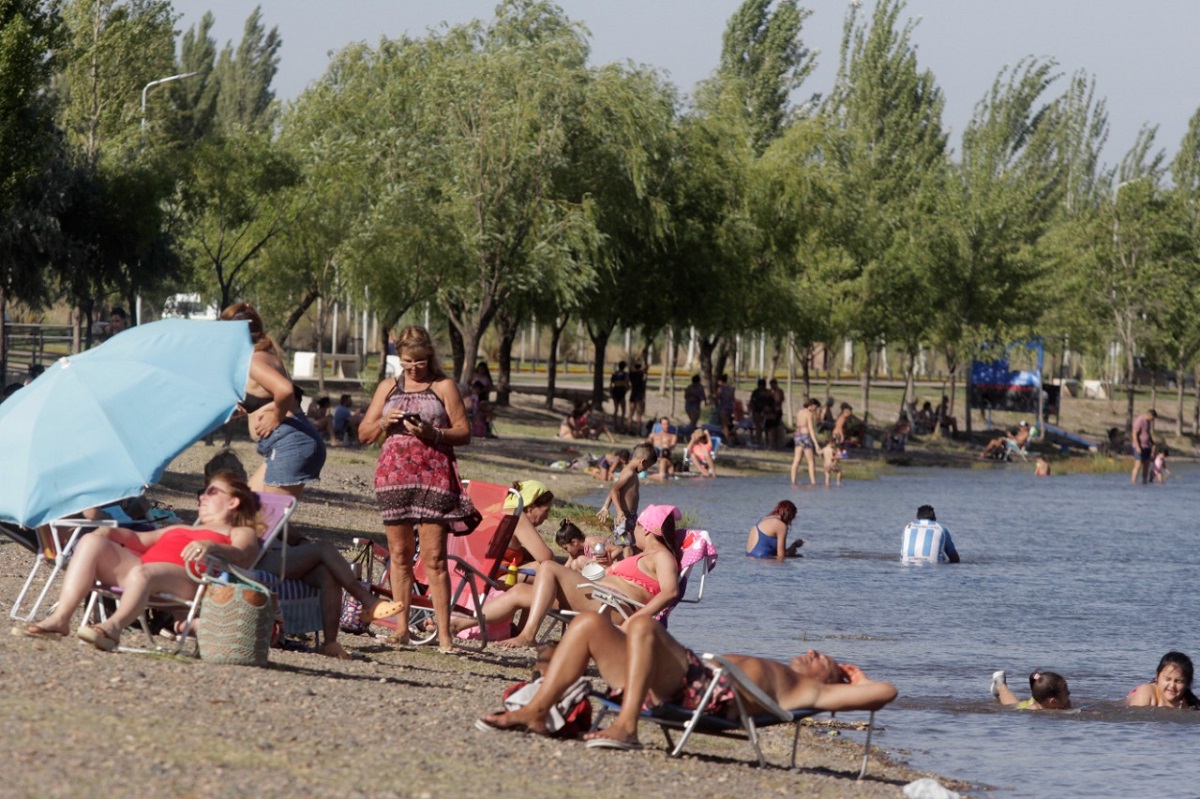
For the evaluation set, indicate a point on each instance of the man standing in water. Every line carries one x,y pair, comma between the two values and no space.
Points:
1143,445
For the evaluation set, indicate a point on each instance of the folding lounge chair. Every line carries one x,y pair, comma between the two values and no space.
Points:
744,727
53,548
699,557
276,509
299,602
476,562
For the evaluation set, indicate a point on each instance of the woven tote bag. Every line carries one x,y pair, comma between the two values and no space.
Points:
236,616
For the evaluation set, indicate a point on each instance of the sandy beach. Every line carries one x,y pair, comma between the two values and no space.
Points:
79,722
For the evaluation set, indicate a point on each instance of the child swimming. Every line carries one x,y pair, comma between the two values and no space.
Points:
1171,686
1049,691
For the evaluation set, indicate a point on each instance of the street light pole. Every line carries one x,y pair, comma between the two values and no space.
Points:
145,90
154,83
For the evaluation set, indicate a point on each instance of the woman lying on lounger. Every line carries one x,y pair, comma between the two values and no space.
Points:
643,663
152,563
650,578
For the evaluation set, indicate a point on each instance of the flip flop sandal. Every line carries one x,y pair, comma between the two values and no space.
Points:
612,743
34,631
96,636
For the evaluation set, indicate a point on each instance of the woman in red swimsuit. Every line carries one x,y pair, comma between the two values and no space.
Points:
650,578
151,563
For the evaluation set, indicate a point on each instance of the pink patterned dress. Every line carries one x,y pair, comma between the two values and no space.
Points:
416,481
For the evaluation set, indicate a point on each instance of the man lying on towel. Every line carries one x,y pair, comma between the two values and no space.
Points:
648,667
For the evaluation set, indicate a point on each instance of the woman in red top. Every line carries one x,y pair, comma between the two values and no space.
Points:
149,563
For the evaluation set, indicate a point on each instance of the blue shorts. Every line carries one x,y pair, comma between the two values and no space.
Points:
295,453
1143,453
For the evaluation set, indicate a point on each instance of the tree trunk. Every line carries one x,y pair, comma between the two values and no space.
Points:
305,302
457,349
3,338
805,370
508,328
707,346
556,331
321,312
1179,402
1129,391
866,393
599,348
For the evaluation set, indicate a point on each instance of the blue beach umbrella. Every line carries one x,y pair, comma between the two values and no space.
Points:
101,426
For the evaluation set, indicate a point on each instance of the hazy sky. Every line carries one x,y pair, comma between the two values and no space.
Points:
1143,53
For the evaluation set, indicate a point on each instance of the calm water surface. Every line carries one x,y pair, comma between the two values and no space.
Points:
1083,575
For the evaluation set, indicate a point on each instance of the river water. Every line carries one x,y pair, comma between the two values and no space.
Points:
1084,575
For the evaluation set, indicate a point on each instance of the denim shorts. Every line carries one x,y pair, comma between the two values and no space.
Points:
294,451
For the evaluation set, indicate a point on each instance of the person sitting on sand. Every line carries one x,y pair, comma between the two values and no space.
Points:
998,447
1049,689
700,452
318,414
664,440
583,550
1171,686
768,538
643,664
847,429
650,578
609,465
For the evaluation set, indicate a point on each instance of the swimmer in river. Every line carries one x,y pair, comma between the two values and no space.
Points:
1050,691
1171,686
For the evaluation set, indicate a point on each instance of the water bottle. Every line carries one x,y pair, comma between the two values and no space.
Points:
510,579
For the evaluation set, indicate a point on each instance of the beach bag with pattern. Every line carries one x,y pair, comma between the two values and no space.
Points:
237,615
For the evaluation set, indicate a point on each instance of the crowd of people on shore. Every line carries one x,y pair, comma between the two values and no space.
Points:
421,416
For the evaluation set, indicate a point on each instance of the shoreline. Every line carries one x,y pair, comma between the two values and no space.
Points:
398,723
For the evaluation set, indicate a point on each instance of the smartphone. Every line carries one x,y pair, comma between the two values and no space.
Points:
410,417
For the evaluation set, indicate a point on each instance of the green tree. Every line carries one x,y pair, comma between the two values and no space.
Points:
230,203
1179,317
1131,271
499,106
764,60
889,148
29,34
1002,198
113,50
195,98
245,98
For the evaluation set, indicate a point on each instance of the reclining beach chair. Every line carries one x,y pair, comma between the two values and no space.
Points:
299,602
52,547
276,509
699,557
744,727
475,561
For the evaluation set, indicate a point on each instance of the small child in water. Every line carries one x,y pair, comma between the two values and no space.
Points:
1049,691
830,462
1159,470
1041,467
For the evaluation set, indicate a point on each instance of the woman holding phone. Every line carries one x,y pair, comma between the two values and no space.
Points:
420,418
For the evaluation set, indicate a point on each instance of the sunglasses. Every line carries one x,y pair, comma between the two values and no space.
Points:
407,364
212,491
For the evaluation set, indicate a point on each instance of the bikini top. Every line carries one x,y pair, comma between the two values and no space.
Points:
252,403
628,570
